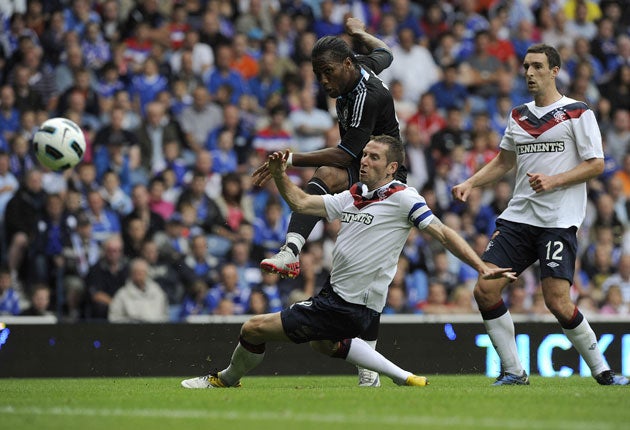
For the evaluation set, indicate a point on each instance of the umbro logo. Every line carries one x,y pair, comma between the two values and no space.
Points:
523,118
552,264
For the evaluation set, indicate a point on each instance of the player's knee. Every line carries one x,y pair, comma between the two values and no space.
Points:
561,309
253,328
487,293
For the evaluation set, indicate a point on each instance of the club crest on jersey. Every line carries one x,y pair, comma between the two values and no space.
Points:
343,116
559,115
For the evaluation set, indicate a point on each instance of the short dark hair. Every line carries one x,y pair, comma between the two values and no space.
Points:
553,56
334,47
396,150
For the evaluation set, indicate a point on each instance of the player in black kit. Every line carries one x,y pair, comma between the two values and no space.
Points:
365,107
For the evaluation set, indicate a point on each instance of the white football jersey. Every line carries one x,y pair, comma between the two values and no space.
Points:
550,140
374,228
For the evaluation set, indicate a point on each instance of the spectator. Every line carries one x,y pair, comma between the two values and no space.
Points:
200,118
9,297
21,158
275,136
258,303
105,222
157,129
169,275
461,301
324,24
110,21
621,278
9,114
480,73
8,187
403,68
142,209
20,221
452,135
53,231
141,299
80,253
396,302
26,97
96,50
200,56
436,302
310,124
206,210
197,300
270,287
105,278
202,263
134,238
228,289
517,297
114,195
618,137
146,85
448,92
233,122
270,230
614,303
224,75
171,242
115,132
157,202
40,301
235,206
579,24
243,62
52,39
224,157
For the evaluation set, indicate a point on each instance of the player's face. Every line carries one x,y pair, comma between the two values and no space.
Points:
333,76
538,76
375,170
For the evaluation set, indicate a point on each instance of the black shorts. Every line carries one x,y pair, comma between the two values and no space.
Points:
519,245
325,317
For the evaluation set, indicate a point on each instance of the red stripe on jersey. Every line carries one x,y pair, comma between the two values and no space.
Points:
536,126
381,194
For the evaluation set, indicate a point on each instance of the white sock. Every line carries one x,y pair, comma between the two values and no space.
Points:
372,344
584,340
501,332
242,362
297,240
362,354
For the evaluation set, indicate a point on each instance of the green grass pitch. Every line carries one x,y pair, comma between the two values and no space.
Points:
312,402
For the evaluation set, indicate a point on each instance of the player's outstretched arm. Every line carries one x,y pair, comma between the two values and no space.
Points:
458,246
356,29
494,170
298,200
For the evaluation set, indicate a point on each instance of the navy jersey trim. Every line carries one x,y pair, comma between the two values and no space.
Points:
536,126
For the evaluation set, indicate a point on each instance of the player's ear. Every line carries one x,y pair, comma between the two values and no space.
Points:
392,167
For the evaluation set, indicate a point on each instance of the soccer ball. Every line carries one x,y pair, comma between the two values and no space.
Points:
59,144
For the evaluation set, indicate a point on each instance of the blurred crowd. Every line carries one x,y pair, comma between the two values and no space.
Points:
180,101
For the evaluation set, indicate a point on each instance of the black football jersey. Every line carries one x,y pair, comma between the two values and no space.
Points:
367,110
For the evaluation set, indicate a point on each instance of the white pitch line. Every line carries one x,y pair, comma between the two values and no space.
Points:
234,415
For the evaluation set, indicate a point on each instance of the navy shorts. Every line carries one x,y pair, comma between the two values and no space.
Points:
519,245
325,317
